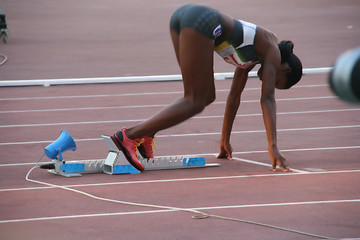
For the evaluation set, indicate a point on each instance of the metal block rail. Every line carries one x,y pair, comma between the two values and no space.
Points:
116,163
75,168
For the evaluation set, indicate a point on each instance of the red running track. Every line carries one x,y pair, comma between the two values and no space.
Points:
318,133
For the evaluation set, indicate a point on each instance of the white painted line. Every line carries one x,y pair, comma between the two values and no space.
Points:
273,174
343,201
195,134
264,164
49,141
155,105
196,117
259,131
302,149
315,169
323,148
85,108
285,113
83,216
213,154
91,96
132,79
280,204
136,94
70,123
305,98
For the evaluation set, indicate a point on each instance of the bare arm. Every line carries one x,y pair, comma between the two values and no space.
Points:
268,105
232,106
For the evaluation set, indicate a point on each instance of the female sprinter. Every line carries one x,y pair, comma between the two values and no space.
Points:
196,32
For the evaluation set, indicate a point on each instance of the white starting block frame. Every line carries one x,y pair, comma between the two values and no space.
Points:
116,163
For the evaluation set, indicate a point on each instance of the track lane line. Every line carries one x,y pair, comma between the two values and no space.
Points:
196,117
272,174
348,201
215,154
195,134
152,105
138,94
211,154
264,164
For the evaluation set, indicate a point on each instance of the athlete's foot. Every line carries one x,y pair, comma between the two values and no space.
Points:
128,147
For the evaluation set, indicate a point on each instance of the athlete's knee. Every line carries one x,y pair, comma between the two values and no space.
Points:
200,101
211,98
198,108
197,105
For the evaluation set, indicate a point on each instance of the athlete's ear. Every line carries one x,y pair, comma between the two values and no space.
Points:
286,68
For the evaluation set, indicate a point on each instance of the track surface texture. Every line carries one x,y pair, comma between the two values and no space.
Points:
317,133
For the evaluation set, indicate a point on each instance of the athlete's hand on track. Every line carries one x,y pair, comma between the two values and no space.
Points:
225,150
278,160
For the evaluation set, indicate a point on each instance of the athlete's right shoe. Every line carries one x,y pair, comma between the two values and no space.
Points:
128,147
146,147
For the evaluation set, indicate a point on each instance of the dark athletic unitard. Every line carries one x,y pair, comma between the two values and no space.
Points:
238,49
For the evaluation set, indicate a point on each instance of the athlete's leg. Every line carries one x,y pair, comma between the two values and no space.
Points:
196,63
175,39
194,53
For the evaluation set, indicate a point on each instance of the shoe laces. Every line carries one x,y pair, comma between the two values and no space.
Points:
139,142
142,140
153,143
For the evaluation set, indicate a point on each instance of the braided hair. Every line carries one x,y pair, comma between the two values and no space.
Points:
287,56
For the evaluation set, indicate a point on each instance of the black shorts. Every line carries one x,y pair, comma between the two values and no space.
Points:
204,20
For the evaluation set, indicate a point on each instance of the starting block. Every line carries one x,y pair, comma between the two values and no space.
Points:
116,163
74,168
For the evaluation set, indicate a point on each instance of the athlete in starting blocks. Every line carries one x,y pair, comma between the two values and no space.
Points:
198,31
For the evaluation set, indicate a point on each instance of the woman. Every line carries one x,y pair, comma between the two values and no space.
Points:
196,32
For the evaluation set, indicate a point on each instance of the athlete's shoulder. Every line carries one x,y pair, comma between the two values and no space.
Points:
248,24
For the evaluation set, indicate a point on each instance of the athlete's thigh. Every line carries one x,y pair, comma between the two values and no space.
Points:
175,40
196,59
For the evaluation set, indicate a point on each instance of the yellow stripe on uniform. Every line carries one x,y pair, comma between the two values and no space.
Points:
222,46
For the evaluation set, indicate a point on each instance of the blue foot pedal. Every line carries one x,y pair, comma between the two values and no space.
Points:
73,167
194,161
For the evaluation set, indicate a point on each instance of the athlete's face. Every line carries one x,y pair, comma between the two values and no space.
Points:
281,79
281,76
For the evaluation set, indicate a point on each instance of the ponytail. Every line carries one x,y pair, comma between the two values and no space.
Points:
287,56
286,49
